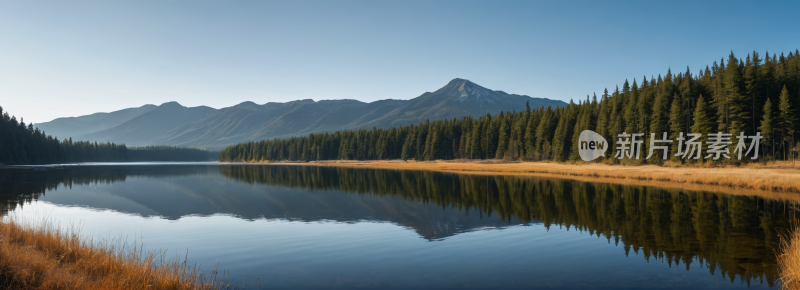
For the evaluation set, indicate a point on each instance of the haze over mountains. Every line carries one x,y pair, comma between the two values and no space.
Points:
205,127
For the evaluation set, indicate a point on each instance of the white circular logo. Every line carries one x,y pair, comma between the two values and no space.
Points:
591,145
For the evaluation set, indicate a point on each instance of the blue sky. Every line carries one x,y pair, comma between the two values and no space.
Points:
70,58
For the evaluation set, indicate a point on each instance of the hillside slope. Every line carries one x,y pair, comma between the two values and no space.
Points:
74,126
145,128
458,98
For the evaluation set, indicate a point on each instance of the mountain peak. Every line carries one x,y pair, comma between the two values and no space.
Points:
172,104
457,82
248,105
463,89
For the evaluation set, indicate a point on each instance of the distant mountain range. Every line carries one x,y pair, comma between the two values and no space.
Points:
205,127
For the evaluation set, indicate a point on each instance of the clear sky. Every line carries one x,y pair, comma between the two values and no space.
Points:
71,58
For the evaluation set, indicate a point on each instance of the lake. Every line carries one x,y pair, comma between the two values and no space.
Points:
307,227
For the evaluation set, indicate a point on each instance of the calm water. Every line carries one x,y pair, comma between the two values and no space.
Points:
305,227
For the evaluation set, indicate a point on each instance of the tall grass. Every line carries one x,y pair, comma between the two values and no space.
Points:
789,259
40,255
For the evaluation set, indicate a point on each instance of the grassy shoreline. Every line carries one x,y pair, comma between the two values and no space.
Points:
789,260
45,257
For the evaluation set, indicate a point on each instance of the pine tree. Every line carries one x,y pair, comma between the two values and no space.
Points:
738,104
659,122
752,84
631,115
787,119
560,138
544,134
603,117
677,124
701,122
766,127
643,107
530,136
503,137
720,97
514,143
475,142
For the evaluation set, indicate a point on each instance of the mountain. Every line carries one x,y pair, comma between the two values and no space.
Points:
173,124
458,98
352,116
145,128
243,122
75,126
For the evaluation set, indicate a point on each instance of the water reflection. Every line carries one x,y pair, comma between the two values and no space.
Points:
736,235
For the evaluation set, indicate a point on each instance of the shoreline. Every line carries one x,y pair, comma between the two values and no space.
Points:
39,255
780,180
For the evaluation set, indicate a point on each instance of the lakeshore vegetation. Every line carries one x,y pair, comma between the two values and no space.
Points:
46,257
755,94
789,259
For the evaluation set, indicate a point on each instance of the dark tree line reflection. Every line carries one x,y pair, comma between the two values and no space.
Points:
734,234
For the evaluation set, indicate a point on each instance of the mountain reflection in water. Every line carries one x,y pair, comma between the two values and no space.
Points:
733,234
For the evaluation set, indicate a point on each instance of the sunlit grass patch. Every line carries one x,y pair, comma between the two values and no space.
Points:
789,259
41,255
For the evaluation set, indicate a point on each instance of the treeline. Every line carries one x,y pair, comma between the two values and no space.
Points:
751,95
170,153
85,151
21,143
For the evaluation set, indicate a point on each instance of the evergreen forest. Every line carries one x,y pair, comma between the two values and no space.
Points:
170,153
734,95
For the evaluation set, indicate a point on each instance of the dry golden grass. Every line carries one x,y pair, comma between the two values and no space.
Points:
789,260
45,257
779,180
